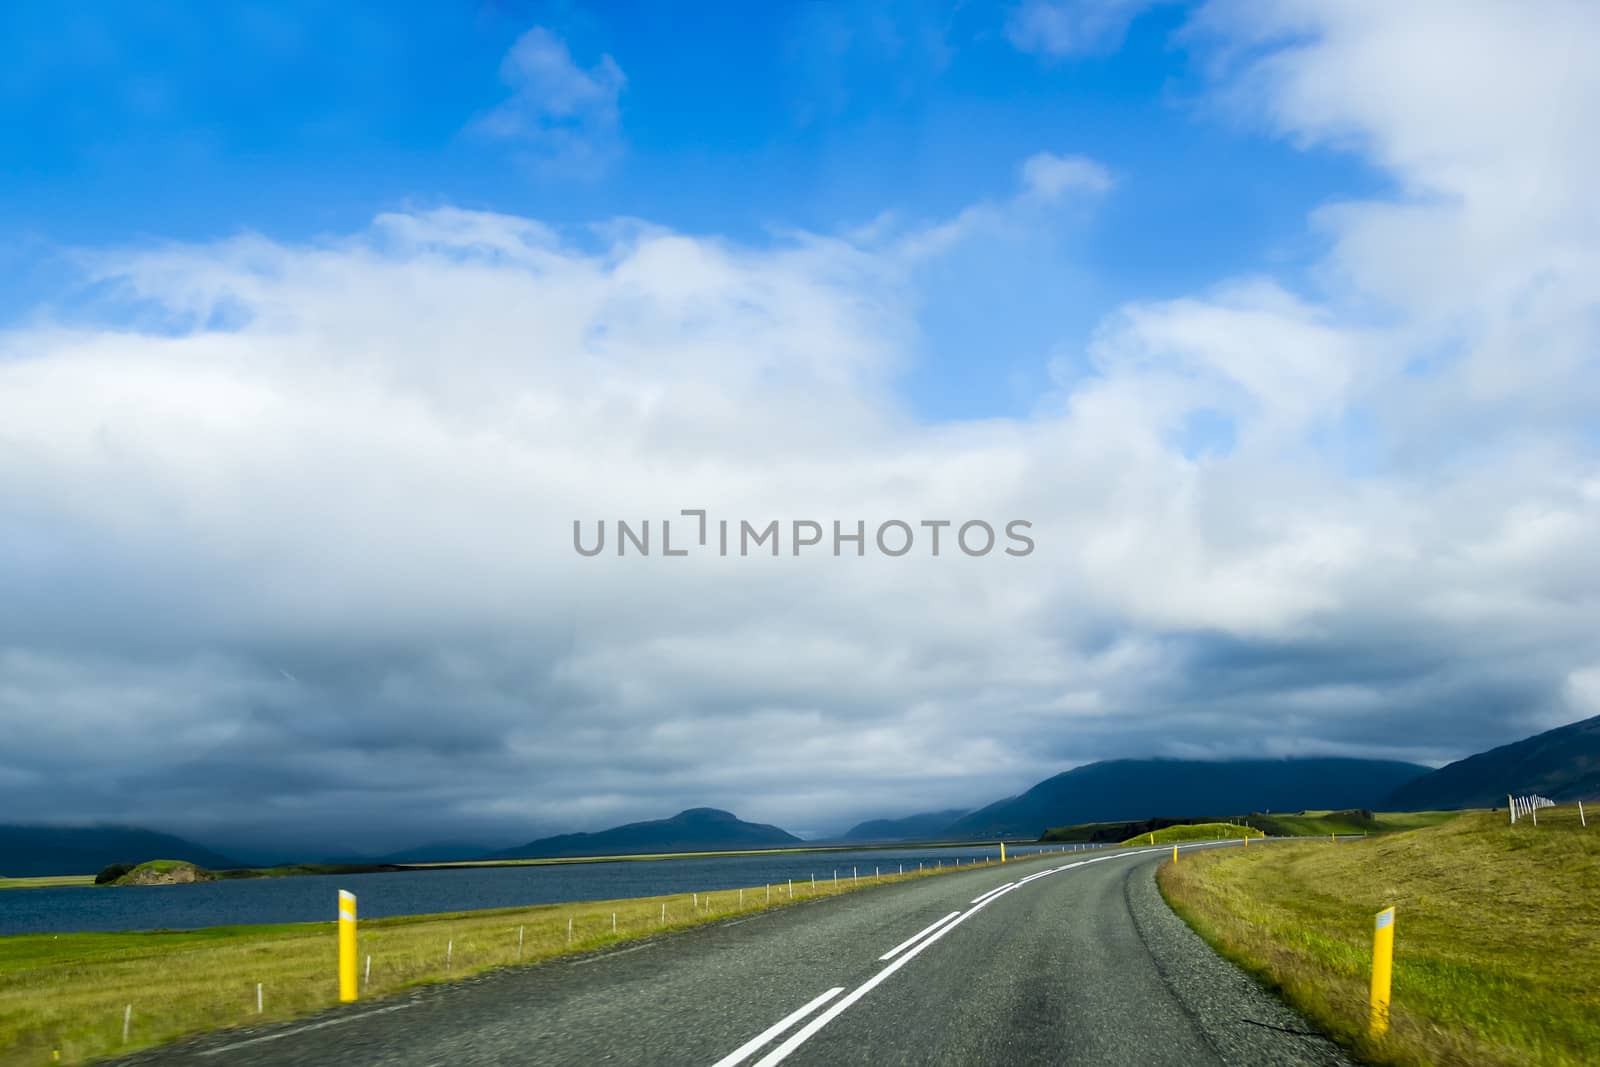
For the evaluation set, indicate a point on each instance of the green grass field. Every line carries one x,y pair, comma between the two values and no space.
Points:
52,881
1497,942
67,992
1322,823
1202,831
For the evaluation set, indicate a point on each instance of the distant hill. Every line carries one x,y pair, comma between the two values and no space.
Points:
437,852
695,830
1562,764
1119,790
928,826
30,851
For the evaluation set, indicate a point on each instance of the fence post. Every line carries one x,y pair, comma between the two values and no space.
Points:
1581,819
1511,805
1382,970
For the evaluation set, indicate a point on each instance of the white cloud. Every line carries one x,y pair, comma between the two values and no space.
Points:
1047,177
563,114
1072,27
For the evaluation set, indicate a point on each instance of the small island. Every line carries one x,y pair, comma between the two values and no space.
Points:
154,872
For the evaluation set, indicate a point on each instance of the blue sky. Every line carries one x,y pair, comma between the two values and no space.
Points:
143,124
320,325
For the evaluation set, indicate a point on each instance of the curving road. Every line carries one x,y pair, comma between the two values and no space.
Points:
1050,960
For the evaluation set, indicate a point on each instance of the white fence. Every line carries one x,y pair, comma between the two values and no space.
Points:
1528,806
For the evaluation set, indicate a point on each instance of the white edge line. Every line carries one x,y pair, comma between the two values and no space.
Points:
981,897
608,955
744,1051
914,938
302,1029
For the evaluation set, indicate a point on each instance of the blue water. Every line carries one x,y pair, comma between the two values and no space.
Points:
312,898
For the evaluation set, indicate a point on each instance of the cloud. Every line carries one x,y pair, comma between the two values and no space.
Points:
560,113
1355,516
1047,177
1047,185
1072,27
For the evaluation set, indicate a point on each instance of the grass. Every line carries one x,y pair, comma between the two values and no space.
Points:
67,992
1497,939
50,881
1204,831
1320,823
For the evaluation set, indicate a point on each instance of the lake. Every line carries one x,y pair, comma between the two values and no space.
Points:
312,898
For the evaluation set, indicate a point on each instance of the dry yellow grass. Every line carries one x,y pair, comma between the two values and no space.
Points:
67,993
1497,943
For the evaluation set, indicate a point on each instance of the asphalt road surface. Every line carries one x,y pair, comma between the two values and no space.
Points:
1062,959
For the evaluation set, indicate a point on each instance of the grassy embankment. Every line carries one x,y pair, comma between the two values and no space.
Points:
68,992
1300,824
1322,823
1202,831
48,881
1497,934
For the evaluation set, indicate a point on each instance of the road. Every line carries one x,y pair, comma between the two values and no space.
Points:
1060,959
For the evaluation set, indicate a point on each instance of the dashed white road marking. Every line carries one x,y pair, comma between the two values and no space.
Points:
914,938
981,897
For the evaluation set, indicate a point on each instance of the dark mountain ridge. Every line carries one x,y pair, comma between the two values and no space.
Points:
1562,764
34,851
1120,790
693,830
925,826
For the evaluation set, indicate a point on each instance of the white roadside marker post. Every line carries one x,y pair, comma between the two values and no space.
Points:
519,943
127,1020
366,979
1581,819
258,998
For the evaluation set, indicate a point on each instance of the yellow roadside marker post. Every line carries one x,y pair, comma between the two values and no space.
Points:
347,945
1002,852
1174,853
1382,970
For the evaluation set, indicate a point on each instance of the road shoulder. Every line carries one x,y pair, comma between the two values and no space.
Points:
1247,1025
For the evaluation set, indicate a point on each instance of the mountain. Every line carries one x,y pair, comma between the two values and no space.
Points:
436,852
30,851
928,826
1130,789
694,830
1562,764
